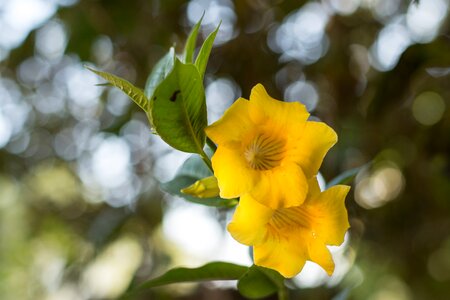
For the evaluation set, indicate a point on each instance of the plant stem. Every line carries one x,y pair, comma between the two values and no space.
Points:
206,160
211,144
283,293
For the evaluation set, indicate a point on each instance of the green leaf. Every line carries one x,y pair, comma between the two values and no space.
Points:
345,177
189,48
202,59
136,94
210,271
104,84
179,109
159,72
259,282
192,170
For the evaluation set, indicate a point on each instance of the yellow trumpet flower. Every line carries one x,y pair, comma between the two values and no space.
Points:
268,149
284,238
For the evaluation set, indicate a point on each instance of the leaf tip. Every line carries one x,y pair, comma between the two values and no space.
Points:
89,68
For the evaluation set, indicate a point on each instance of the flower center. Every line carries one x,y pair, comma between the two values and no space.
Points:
290,217
265,152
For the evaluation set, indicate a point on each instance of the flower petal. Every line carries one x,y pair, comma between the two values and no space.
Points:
329,216
284,186
286,254
280,114
249,223
320,254
313,187
315,141
234,176
234,124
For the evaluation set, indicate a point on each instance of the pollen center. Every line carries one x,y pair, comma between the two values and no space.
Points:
265,152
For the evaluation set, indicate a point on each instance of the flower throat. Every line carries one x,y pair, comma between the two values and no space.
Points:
265,152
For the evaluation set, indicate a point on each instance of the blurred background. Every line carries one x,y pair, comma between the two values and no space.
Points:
81,213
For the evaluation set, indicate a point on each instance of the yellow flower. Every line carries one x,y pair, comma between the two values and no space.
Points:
283,239
268,149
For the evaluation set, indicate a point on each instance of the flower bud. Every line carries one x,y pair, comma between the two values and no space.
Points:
203,188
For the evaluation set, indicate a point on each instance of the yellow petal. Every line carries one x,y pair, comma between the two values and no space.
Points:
284,186
280,115
234,124
315,141
234,176
249,223
286,254
329,216
313,187
320,254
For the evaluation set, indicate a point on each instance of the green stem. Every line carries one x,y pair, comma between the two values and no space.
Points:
207,160
283,294
211,144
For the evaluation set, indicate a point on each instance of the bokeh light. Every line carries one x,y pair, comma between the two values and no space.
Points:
303,92
391,43
213,12
424,19
301,36
111,272
428,108
344,7
220,94
382,186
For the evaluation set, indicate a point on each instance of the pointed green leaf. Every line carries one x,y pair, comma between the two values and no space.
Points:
259,282
179,109
210,271
189,48
345,177
159,72
104,84
202,59
192,170
136,94
276,278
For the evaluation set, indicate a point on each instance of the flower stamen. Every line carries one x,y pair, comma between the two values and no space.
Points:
265,152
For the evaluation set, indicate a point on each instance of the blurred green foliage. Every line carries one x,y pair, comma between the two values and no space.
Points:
65,233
